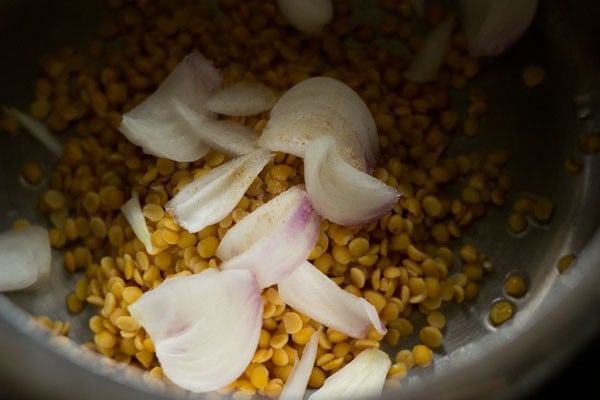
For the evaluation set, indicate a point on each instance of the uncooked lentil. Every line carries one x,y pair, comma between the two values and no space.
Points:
501,311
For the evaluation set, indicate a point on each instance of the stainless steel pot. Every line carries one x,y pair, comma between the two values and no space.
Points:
539,127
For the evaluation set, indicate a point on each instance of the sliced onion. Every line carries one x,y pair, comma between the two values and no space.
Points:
26,258
209,198
37,130
295,386
308,16
242,99
205,327
361,378
340,192
429,58
274,239
155,125
314,294
132,210
493,26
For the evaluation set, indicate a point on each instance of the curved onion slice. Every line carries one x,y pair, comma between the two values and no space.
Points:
429,58
308,16
340,192
295,386
155,125
274,239
135,216
361,378
242,99
37,130
205,327
209,198
315,295
26,258
493,26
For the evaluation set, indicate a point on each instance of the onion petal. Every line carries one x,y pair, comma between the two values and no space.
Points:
205,327
209,198
135,216
242,99
274,239
37,129
493,26
340,192
308,16
26,258
314,294
362,378
295,386
429,58
156,126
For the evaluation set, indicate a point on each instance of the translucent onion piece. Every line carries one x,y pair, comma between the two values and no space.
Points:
315,295
340,192
295,386
242,99
274,239
308,16
209,198
26,258
205,327
361,378
135,216
429,58
37,130
155,125
493,26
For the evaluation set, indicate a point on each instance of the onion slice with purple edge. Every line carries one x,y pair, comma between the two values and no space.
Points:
340,192
157,127
132,210
295,386
429,58
314,294
308,16
26,258
242,99
205,327
362,378
274,239
493,26
209,198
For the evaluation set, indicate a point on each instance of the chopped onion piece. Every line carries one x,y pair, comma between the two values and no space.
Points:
314,294
37,130
205,327
242,99
132,210
429,58
340,192
209,198
274,239
493,26
361,378
26,258
157,127
308,16
295,386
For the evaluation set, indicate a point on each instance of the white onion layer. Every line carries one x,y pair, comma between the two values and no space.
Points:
26,258
132,210
242,99
308,16
295,386
429,58
274,239
340,192
315,295
205,327
156,126
209,198
37,129
362,378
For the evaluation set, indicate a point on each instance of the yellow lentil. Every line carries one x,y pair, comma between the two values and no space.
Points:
515,286
500,312
422,355
565,262
533,75
517,222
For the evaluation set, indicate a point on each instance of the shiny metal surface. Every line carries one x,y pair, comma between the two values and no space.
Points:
539,128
